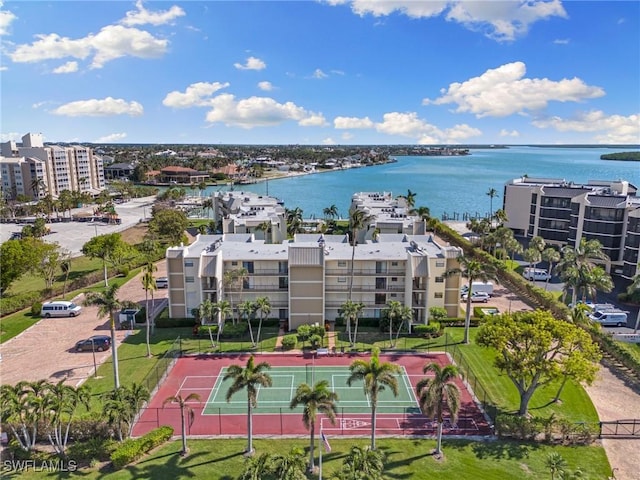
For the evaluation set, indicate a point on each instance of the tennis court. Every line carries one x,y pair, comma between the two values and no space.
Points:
213,415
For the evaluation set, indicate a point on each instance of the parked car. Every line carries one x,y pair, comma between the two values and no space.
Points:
60,308
478,287
615,318
477,297
536,274
97,342
162,282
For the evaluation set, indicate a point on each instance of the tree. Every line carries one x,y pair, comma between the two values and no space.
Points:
65,268
149,285
169,225
205,314
221,310
250,378
315,400
552,256
556,464
500,216
576,262
351,312
362,463
183,403
265,227
65,200
436,393
330,212
18,257
376,377
472,270
393,312
514,246
263,306
52,257
294,221
289,466
357,221
246,310
234,280
21,410
121,405
108,304
110,248
492,193
410,199
535,349
532,256
62,402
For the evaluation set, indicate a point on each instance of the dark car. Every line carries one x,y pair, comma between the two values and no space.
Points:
97,342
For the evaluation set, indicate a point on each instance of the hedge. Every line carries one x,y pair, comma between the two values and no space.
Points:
433,329
289,341
134,448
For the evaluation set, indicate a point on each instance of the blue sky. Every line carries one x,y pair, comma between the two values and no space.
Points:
322,72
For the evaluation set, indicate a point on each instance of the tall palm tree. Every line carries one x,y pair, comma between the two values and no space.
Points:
361,463
315,400
221,310
552,256
351,311
62,402
250,378
207,204
263,306
65,268
376,376
472,270
294,220
532,256
246,310
264,227
289,466
577,260
108,304
234,279
410,199
436,393
492,193
149,285
357,221
183,403
330,212
38,186
121,405
512,246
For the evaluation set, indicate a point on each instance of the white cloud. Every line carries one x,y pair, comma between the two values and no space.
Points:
500,20
68,67
328,141
561,41
99,108
352,122
258,112
6,17
608,128
113,138
504,91
252,63
319,74
509,133
113,41
5,137
196,95
265,86
143,16
313,120
409,125
346,136
3,68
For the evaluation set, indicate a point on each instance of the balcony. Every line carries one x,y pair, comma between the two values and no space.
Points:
261,288
269,272
361,288
366,272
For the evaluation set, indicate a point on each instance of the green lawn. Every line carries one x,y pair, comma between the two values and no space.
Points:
406,459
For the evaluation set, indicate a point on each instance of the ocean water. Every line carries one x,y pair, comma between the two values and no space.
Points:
451,186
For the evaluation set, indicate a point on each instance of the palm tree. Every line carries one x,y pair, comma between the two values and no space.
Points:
264,227
576,261
492,193
351,311
500,216
121,405
552,256
362,463
207,204
38,186
410,199
330,212
246,310
65,267
316,399
258,467
20,409
514,246
108,304
357,220
393,311
377,377
183,403
221,310
250,378
289,466
532,256
472,270
149,285
436,393
294,220
233,278
538,243
556,464
263,306
595,280
62,401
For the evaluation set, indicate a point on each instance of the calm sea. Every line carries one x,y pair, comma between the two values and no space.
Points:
447,185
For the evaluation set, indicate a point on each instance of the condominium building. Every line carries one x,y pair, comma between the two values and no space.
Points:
308,278
48,170
563,213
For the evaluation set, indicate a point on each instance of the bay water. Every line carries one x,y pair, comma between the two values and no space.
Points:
450,186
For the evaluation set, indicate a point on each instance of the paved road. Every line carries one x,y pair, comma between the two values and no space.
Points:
73,235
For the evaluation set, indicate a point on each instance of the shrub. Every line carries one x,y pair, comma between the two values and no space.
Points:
433,329
164,322
437,313
289,341
234,331
92,449
304,332
12,303
133,448
36,308
515,426
458,322
316,341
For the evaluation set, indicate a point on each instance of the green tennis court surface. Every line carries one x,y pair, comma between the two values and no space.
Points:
276,398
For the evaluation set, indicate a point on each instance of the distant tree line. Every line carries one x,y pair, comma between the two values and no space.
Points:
624,156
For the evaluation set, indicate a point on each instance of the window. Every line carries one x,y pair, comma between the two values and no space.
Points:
439,279
440,264
188,263
188,279
248,266
234,264
394,264
342,264
283,282
438,295
342,279
394,279
381,299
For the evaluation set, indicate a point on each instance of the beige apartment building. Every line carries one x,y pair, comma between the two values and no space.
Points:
54,168
308,279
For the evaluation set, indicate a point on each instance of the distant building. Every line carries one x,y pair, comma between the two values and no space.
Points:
118,171
36,170
182,175
563,213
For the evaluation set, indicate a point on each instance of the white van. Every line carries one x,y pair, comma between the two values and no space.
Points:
536,274
615,318
60,308
477,287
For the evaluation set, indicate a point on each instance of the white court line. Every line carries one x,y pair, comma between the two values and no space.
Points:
412,395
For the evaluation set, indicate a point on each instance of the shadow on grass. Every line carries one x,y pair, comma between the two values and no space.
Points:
495,449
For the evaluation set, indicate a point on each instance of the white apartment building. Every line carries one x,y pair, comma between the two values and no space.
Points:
308,279
57,168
